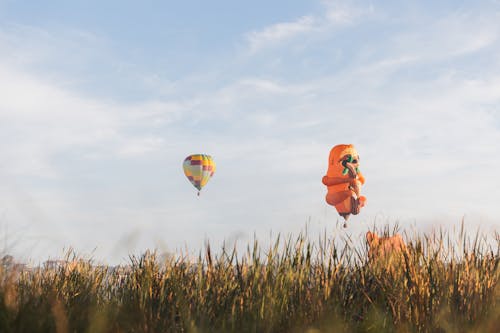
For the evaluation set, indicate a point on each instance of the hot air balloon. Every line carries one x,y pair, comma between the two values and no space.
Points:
199,168
343,181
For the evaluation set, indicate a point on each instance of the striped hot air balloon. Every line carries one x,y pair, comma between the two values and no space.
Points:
199,168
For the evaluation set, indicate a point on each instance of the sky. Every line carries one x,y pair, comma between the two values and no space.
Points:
100,102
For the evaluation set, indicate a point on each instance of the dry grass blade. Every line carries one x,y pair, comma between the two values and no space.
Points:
295,285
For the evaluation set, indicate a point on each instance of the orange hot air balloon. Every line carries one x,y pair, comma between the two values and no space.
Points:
343,181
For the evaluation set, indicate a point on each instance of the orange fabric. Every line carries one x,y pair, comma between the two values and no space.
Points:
343,187
384,246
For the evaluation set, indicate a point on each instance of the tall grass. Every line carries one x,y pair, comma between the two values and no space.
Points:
442,284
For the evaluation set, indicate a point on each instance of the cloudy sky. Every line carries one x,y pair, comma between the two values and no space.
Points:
100,102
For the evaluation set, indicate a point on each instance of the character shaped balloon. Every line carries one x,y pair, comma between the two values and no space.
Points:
199,168
343,181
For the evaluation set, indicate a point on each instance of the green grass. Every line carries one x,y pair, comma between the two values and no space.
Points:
442,284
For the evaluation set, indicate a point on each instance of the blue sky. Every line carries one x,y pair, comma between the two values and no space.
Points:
102,102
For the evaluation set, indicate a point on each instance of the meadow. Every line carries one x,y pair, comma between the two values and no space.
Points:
443,283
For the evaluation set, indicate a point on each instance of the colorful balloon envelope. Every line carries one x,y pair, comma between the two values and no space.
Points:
199,168
344,180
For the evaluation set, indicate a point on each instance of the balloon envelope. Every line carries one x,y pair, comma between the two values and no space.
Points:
344,180
199,168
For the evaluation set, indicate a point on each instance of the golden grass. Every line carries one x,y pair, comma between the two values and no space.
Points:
295,285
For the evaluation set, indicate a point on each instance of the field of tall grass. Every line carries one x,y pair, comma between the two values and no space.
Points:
443,283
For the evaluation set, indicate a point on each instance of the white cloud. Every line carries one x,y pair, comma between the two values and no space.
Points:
450,36
41,120
140,147
419,126
30,46
335,15
263,85
279,32
44,119
342,13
